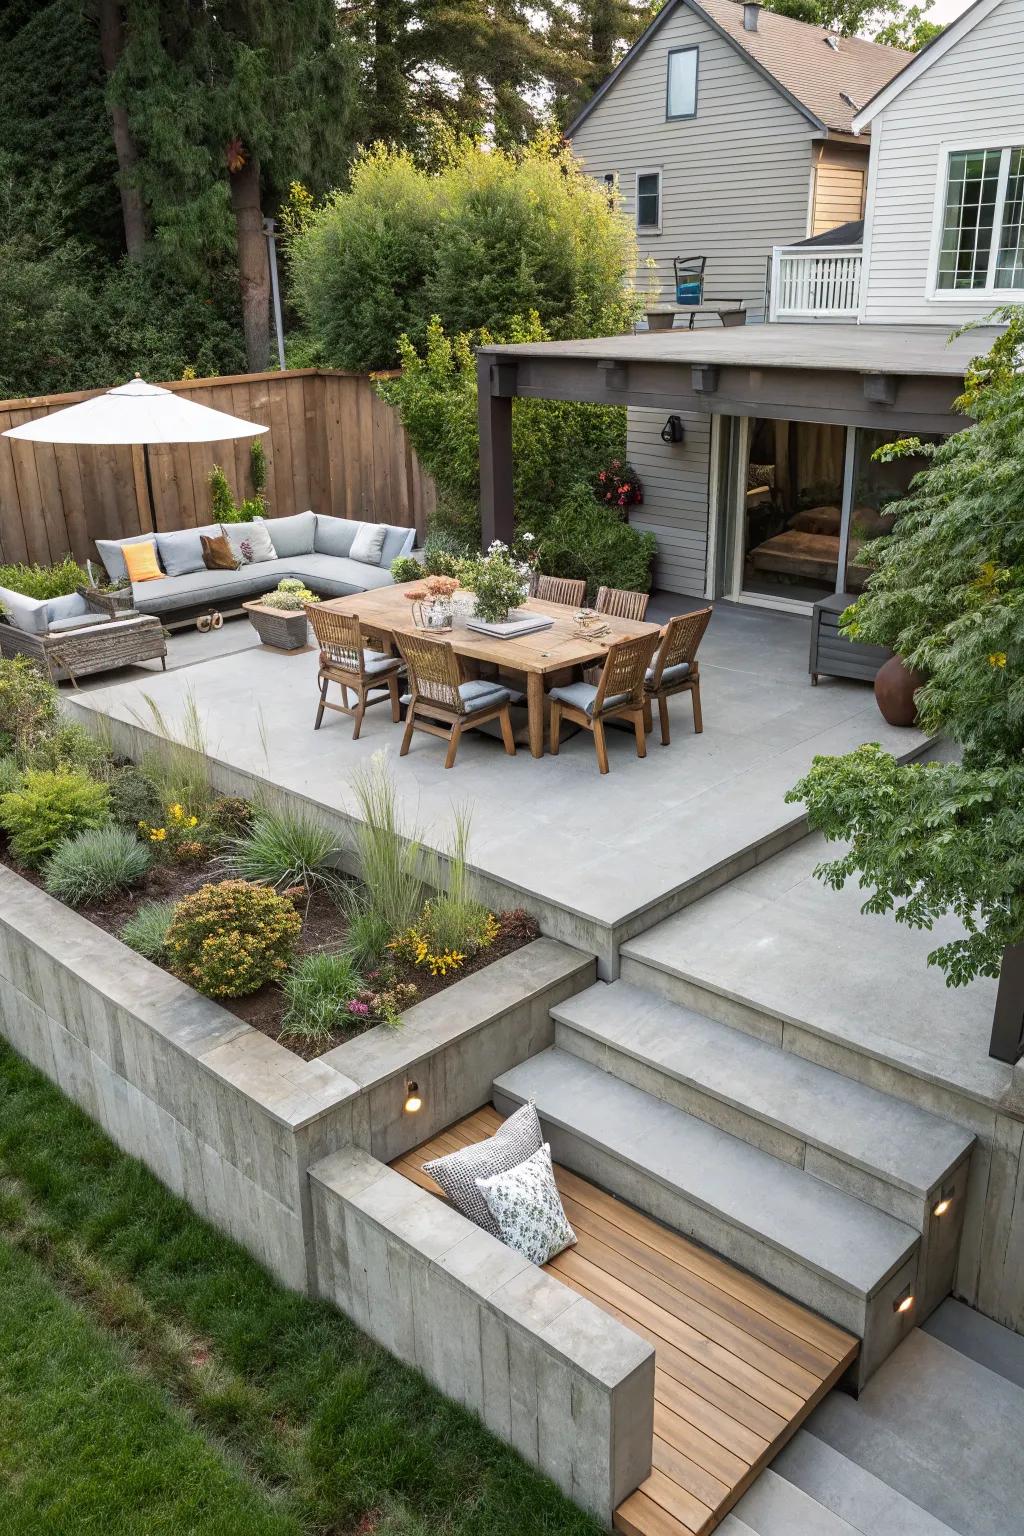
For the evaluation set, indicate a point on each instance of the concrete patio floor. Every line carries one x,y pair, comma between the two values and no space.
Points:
598,858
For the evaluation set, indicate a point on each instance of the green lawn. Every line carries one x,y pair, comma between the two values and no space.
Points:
153,1378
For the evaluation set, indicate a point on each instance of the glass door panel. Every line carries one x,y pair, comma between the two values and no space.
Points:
792,512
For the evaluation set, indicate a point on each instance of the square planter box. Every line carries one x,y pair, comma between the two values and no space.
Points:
284,629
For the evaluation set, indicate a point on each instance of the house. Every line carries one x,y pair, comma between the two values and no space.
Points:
773,487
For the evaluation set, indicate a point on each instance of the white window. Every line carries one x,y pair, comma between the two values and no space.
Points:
980,223
681,89
648,202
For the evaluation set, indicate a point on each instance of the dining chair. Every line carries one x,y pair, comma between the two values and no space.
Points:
560,589
345,660
621,605
441,704
618,693
675,668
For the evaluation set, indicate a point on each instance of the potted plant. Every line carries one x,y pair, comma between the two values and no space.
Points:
280,618
498,580
657,319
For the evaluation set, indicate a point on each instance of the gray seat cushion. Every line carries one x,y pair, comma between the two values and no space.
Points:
332,577
212,587
482,694
292,535
584,696
671,674
377,664
78,621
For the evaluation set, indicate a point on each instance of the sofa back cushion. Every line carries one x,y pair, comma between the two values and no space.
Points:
334,536
110,553
397,541
292,535
181,552
72,607
25,613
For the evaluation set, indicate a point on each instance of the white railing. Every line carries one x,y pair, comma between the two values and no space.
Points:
815,284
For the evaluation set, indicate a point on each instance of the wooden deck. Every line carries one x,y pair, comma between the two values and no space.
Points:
738,1367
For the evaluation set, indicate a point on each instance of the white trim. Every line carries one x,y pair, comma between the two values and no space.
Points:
711,541
741,448
780,604
989,293
874,159
648,229
923,61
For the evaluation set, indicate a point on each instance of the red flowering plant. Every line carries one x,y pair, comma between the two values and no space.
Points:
620,486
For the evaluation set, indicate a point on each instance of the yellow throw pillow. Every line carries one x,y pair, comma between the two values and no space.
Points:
141,561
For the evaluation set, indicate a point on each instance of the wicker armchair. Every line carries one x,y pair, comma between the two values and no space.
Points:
346,661
619,693
675,668
74,653
559,589
621,605
441,704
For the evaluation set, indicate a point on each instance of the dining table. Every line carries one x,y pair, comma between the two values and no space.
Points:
562,647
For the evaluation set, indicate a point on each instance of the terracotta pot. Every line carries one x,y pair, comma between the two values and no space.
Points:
895,687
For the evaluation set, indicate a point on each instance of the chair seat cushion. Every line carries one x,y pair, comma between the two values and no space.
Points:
77,621
375,663
671,674
480,693
584,696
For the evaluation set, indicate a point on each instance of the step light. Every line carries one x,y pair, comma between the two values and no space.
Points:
903,1302
413,1103
944,1201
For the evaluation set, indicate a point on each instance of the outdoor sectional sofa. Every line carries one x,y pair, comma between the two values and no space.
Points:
309,545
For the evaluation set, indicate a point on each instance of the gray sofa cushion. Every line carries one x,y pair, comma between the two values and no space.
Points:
110,553
334,535
331,577
199,587
181,551
25,613
397,541
292,535
368,543
78,621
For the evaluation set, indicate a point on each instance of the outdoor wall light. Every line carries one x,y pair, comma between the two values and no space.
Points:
944,1201
673,431
903,1302
413,1103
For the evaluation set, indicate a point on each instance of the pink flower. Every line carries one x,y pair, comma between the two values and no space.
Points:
355,1006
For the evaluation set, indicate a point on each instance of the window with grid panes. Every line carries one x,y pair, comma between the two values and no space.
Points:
982,242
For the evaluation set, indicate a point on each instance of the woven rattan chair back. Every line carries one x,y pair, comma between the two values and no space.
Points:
560,589
433,671
339,637
682,637
624,670
618,604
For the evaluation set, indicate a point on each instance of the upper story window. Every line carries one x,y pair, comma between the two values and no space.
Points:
681,90
981,240
648,202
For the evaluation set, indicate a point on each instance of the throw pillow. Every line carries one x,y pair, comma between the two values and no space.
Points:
181,552
218,554
142,562
526,1204
250,542
368,543
457,1172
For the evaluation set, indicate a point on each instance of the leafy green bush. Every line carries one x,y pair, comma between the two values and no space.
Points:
285,848
12,774
71,745
146,930
586,539
405,568
318,990
95,864
28,706
230,939
443,553
48,808
42,581
133,797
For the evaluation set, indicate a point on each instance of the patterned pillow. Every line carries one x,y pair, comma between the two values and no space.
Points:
457,1172
526,1205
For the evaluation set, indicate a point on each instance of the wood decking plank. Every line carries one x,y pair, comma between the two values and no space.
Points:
697,1480
640,1515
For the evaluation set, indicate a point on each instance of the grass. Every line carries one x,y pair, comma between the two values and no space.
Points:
179,766
339,1437
388,853
319,988
456,919
285,848
94,864
146,930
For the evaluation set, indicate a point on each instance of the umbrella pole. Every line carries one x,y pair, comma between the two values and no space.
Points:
149,487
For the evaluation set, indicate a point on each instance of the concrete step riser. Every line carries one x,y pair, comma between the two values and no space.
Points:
872,1319
690,994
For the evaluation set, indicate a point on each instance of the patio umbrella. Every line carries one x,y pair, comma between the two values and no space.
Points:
136,414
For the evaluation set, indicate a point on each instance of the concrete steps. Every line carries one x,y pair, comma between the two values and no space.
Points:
810,1239
882,1150
775,1507
851,1492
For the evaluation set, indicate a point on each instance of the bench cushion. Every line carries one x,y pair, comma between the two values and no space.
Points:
331,577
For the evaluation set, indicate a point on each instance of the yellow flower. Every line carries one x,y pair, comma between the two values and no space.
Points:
193,821
997,659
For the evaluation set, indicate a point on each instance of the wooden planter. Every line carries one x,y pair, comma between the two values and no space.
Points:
283,628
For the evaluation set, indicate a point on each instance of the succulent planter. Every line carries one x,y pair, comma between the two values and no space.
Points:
283,628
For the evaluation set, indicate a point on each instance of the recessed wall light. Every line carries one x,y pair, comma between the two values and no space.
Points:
413,1102
904,1302
944,1201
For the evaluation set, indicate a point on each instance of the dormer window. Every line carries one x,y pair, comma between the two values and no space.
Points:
681,90
980,246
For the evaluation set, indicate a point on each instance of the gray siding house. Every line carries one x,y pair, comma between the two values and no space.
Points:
727,131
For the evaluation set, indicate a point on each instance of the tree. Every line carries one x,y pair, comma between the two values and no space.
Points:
136,224
947,594
893,22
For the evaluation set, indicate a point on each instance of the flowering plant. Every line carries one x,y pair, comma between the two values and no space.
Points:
291,595
433,589
499,580
180,837
620,486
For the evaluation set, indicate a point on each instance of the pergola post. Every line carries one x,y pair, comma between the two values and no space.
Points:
494,413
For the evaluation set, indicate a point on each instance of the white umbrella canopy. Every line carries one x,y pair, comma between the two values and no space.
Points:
136,413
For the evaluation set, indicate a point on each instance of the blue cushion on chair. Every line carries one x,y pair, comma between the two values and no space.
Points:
483,694
670,674
375,662
584,696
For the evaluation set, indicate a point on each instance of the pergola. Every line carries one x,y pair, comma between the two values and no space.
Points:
903,378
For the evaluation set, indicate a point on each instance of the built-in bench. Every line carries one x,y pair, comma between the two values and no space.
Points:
737,1366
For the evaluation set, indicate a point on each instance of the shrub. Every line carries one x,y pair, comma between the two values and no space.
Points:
28,705
95,864
318,990
133,797
368,933
285,848
42,581
443,553
290,594
180,837
589,540
230,814
72,746
519,926
146,930
48,808
230,939
405,568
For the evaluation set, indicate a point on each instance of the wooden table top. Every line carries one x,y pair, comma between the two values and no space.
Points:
388,611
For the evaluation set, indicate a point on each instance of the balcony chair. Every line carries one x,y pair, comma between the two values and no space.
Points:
441,704
346,661
619,694
675,669
618,604
559,589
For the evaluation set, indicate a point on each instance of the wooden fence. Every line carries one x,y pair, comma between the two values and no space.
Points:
333,445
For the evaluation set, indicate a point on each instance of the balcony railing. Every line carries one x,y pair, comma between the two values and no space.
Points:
815,284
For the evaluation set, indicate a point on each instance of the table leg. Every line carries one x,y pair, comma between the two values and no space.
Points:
535,711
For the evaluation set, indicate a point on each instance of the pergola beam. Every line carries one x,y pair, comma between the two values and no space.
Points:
495,388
